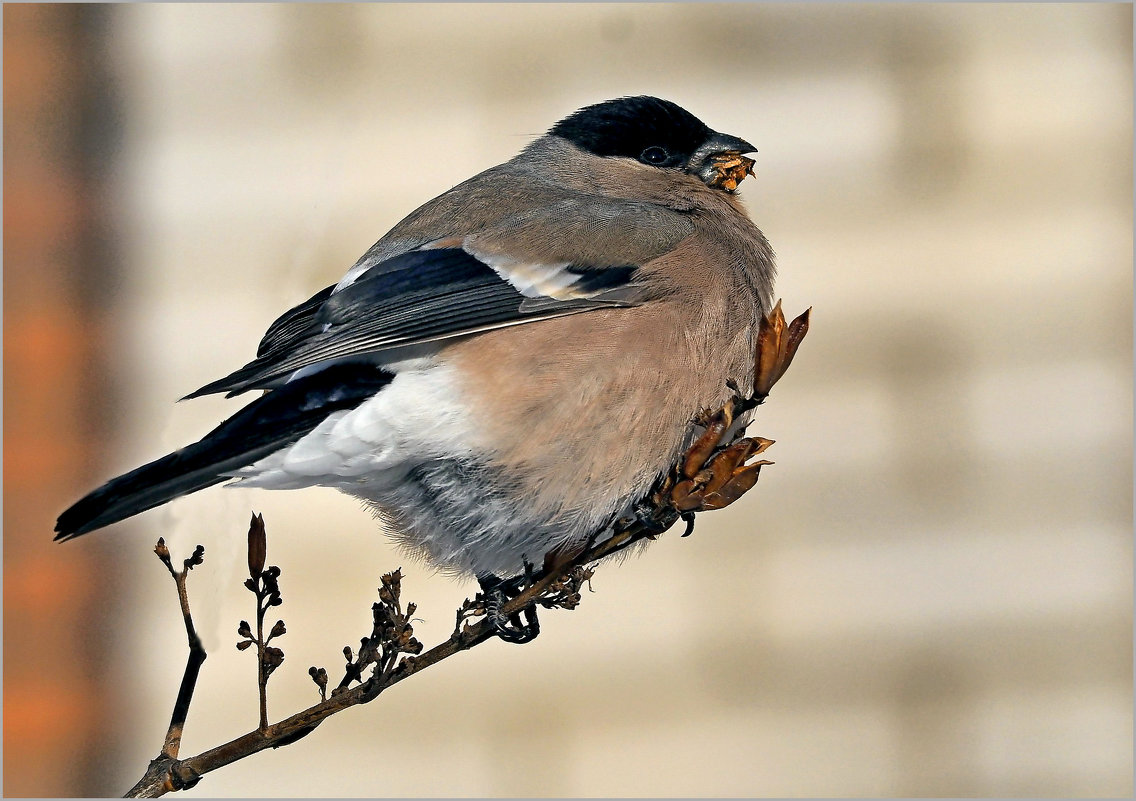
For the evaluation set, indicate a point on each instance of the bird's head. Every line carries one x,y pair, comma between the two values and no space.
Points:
660,134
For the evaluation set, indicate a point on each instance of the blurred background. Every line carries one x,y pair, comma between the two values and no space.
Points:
930,594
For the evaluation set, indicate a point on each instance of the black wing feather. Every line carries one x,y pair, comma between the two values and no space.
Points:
417,297
293,322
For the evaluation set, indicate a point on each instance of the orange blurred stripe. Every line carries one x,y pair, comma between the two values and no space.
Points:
39,713
45,584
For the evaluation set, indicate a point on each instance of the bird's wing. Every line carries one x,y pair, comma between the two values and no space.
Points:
525,268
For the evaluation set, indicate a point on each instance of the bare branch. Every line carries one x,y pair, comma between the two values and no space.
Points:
172,743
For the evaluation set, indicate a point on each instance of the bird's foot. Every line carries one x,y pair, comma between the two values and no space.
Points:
497,592
653,516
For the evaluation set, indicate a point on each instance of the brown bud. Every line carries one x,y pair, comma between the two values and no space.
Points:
319,676
700,451
777,344
257,545
161,550
273,658
737,486
196,558
685,497
723,465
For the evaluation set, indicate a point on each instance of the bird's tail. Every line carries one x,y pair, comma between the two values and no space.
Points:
273,421
144,488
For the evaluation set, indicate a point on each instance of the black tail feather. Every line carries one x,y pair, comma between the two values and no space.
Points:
273,421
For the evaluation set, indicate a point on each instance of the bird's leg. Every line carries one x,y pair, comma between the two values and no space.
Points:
532,625
497,592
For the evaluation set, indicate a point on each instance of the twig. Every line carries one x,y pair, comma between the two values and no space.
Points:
172,743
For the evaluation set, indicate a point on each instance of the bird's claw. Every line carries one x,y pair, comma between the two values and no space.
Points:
509,626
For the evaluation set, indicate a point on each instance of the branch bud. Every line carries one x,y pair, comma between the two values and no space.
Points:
257,546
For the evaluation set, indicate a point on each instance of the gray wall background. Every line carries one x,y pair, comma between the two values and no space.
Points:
931,591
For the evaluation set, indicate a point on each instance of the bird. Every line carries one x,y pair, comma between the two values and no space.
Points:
514,365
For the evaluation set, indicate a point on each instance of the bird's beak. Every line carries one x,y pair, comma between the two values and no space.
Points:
720,163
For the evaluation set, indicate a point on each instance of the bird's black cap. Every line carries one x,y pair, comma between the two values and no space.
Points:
652,130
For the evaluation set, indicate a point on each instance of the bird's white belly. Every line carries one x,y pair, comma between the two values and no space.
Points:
417,418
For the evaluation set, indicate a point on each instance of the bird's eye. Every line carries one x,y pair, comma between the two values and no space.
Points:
654,155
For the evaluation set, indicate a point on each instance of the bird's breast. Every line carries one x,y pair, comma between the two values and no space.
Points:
584,412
